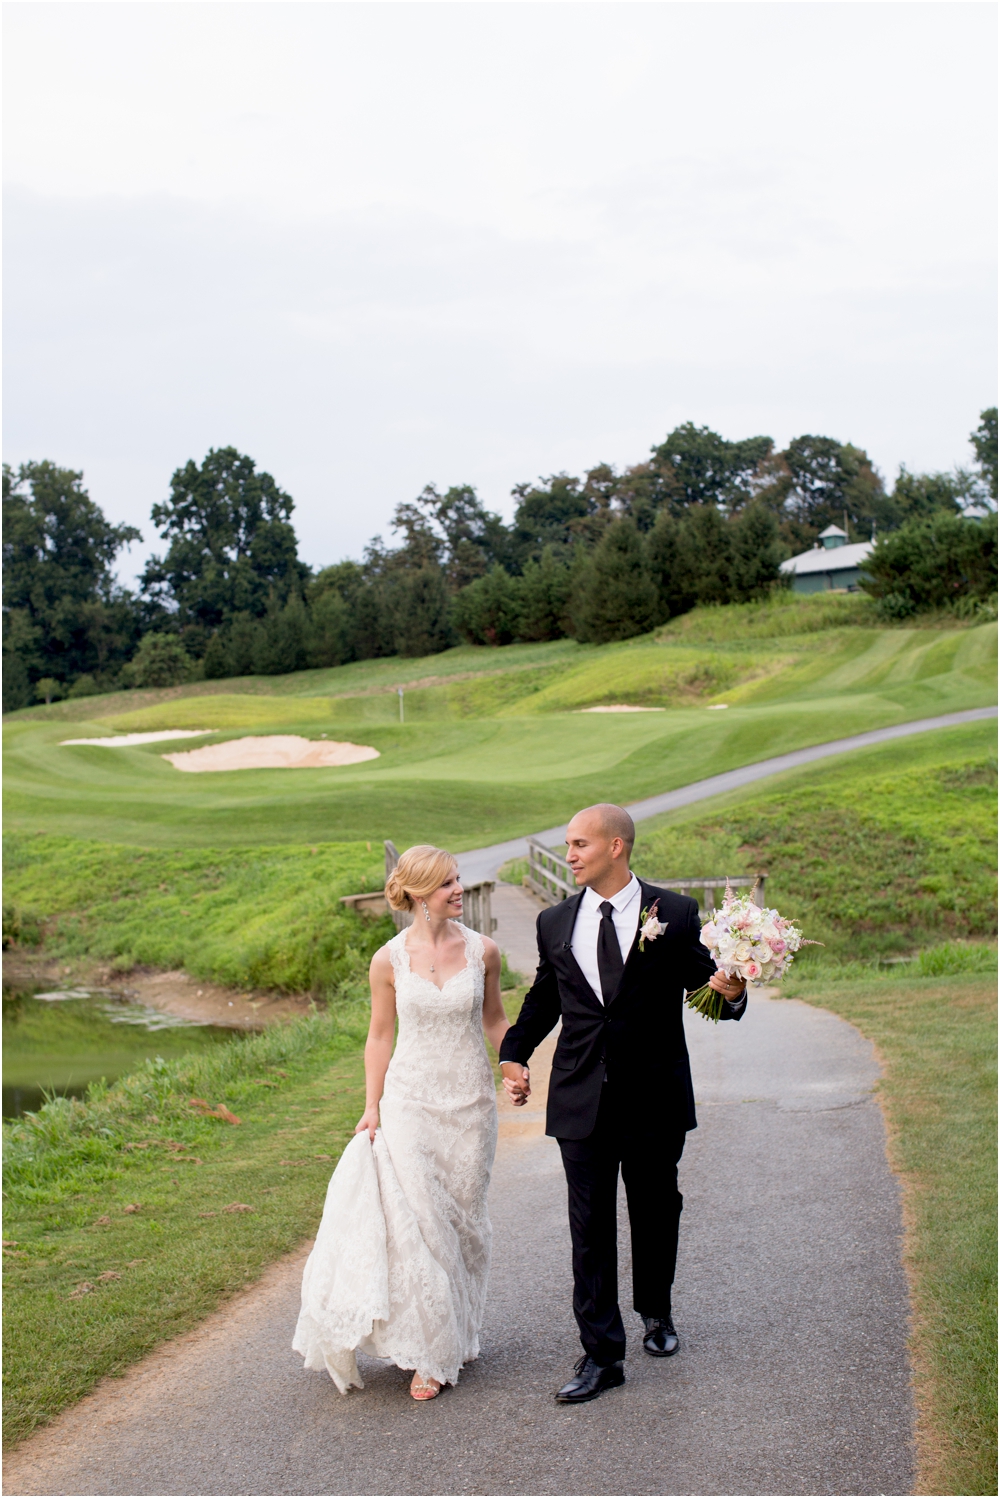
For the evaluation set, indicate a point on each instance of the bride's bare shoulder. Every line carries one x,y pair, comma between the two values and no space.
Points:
381,963
491,952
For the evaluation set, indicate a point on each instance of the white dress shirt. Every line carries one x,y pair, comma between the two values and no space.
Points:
625,905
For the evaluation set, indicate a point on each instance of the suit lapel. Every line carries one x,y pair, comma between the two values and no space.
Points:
563,941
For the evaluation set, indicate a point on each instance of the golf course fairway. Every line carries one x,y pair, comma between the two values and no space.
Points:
497,743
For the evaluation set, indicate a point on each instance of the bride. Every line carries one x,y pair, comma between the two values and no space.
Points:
401,1259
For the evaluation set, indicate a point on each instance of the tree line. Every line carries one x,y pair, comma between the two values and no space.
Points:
600,557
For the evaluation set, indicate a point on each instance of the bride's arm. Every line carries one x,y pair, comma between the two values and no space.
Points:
495,1021
378,1046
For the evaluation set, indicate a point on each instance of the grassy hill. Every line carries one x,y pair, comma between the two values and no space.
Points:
878,852
881,851
495,743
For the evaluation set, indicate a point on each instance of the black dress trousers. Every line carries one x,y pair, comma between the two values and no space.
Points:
649,1169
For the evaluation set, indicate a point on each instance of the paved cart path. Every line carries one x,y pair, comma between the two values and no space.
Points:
791,1306
483,863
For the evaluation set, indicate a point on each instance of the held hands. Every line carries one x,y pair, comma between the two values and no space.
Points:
516,1082
730,988
369,1123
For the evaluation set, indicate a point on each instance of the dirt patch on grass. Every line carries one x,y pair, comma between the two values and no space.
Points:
169,992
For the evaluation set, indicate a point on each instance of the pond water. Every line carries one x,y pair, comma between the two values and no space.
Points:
61,1040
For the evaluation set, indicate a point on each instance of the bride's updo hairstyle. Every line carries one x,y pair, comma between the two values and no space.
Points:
420,871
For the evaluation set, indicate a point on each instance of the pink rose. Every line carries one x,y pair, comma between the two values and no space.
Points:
709,934
751,971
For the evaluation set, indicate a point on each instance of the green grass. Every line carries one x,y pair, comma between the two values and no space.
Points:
886,850
249,917
485,758
936,1037
73,1168
739,626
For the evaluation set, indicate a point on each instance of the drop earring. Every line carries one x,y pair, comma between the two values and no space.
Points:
427,914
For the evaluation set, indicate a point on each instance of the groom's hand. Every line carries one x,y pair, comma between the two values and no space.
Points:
730,988
516,1082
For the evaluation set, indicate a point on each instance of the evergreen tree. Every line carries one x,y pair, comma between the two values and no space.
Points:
619,596
487,611
544,595
216,661
421,612
17,691
669,567
280,643
707,548
757,554
242,643
329,629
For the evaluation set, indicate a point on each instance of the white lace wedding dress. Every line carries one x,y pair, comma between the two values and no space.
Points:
402,1255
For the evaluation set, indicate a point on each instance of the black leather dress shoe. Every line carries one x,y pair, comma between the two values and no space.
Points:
590,1380
660,1340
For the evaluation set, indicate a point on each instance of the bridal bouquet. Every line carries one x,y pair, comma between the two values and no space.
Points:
748,941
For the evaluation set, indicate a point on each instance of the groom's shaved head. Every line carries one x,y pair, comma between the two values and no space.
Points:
614,821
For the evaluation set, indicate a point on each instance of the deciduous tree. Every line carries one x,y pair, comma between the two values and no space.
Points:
231,543
984,442
64,612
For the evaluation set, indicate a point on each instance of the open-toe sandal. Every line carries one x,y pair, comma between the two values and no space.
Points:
424,1389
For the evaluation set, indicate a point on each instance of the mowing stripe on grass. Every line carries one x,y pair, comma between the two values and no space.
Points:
483,863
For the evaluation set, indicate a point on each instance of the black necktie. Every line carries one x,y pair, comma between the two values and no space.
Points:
609,953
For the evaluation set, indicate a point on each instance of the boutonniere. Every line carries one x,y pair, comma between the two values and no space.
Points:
650,925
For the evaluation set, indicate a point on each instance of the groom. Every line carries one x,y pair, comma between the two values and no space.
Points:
620,1093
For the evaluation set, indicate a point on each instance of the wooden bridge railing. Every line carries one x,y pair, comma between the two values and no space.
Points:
551,878
477,900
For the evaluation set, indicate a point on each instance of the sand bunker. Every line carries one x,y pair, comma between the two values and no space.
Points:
275,751
126,740
622,707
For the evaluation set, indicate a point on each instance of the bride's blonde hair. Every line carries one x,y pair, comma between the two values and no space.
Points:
420,871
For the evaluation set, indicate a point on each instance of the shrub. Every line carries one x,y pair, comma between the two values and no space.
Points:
21,928
932,563
160,661
48,689
84,686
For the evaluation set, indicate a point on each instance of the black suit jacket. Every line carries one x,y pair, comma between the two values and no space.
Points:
637,1040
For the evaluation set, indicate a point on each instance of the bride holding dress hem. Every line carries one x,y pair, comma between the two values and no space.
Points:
401,1260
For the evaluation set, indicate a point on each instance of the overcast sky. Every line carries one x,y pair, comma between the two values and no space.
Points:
380,245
